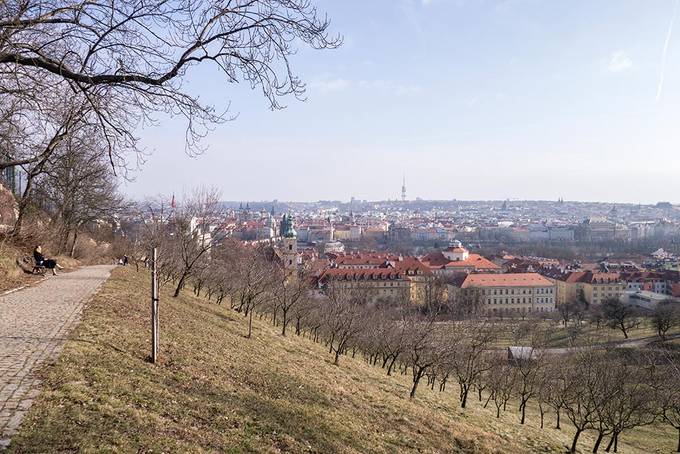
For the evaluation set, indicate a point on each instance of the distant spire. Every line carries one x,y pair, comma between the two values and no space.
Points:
403,189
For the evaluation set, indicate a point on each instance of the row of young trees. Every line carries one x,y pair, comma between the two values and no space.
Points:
615,314
605,390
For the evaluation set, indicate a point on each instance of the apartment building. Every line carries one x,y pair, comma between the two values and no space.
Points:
509,294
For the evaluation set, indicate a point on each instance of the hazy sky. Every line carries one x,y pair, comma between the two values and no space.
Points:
471,99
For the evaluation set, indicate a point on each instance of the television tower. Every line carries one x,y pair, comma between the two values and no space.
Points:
403,190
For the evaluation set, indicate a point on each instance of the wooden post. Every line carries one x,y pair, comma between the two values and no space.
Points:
154,307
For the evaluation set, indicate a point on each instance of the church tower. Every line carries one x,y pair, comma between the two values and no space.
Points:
289,239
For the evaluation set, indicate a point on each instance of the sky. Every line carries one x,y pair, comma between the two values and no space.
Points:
468,99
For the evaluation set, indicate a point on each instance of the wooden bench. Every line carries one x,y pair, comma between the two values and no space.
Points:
27,263
39,269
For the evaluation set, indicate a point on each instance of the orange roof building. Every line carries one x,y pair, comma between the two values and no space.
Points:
516,294
440,264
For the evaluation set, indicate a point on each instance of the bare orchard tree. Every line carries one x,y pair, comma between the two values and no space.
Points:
140,54
290,288
619,315
422,349
666,316
583,385
343,315
501,383
196,226
669,392
254,278
470,357
529,369
628,400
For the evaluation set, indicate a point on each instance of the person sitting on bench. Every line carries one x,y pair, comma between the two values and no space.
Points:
40,260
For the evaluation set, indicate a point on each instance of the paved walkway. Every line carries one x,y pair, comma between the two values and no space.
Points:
34,324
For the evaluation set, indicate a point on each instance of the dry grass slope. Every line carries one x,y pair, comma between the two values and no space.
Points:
215,391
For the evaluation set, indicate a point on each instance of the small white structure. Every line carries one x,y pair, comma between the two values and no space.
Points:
456,252
643,299
335,247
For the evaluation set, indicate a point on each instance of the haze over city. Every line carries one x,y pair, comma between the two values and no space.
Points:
471,100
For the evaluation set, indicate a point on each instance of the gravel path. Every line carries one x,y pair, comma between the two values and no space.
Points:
34,324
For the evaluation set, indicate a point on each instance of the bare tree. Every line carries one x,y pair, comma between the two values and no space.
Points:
195,227
290,288
582,390
138,54
422,350
627,401
619,315
469,357
78,187
343,319
665,317
254,276
501,383
669,393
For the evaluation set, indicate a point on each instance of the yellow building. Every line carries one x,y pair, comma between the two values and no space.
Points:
387,277
510,294
595,287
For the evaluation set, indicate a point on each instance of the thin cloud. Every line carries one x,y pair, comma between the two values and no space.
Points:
665,51
393,88
383,86
619,62
331,85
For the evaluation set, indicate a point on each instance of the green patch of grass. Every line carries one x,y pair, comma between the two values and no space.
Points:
215,391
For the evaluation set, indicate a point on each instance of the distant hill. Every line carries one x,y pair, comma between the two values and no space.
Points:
215,391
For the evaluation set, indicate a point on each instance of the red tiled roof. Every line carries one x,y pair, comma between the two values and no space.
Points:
506,280
588,277
475,261
362,274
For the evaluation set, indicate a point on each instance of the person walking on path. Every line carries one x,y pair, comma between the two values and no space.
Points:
40,260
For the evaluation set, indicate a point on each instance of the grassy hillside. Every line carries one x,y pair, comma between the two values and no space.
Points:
215,391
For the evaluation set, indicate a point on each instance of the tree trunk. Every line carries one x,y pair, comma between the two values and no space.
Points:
614,441
417,375
523,408
285,322
464,395
75,240
557,426
180,285
391,366
575,440
600,435
250,324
